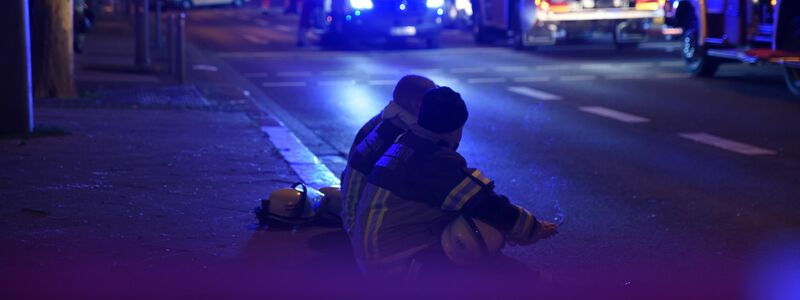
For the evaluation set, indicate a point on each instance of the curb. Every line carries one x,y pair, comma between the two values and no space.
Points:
303,162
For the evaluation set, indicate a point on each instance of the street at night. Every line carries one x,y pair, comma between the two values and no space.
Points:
663,185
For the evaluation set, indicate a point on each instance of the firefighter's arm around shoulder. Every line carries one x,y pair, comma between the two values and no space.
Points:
471,193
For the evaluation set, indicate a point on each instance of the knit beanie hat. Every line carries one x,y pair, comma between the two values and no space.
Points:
442,110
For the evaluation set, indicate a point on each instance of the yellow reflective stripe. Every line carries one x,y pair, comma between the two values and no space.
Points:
449,200
467,196
357,183
381,214
477,174
523,224
368,225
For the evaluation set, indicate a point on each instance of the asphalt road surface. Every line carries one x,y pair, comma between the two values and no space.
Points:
656,176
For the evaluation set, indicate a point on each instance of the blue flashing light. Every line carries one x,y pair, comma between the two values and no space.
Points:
402,6
440,11
358,13
348,17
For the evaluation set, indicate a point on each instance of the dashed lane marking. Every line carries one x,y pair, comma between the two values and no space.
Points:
671,64
637,65
336,73
255,40
613,114
425,71
625,76
467,70
596,66
381,82
201,67
552,68
256,74
672,75
294,74
283,84
511,69
577,77
532,79
284,28
730,145
534,93
486,80
337,82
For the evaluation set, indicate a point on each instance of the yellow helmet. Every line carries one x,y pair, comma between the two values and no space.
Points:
299,205
468,241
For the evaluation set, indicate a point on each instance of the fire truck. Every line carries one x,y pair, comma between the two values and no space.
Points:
750,31
542,22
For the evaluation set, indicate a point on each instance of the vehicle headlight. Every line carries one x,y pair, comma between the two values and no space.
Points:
361,4
434,3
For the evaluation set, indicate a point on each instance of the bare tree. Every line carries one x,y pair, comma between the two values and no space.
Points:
51,48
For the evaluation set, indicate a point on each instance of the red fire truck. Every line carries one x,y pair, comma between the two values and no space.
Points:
542,22
750,31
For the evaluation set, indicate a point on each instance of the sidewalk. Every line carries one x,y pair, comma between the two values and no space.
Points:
144,189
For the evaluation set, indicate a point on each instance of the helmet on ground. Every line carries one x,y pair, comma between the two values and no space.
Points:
468,241
296,205
333,200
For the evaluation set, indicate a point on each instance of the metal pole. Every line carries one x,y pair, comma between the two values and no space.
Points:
142,34
181,48
171,42
159,44
16,105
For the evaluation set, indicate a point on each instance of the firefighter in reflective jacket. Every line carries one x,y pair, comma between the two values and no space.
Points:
376,136
420,185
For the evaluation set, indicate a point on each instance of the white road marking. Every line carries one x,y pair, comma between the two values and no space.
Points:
552,68
284,28
511,69
532,79
294,74
486,80
425,71
734,146
381,82
637,65
577,77
467,70
614,114
337,73
283,83
257,74
337,82
255,40
671,64
596,66
625,76
209,68
673,75
381,72
533,93
307,165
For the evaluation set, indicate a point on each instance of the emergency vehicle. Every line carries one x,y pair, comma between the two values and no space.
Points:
750,31
541,22
357,20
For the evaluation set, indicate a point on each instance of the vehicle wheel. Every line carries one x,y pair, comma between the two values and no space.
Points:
696,57
237,3
186,4
432,43
792,75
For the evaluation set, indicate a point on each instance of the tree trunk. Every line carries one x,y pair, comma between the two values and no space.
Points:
51,48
